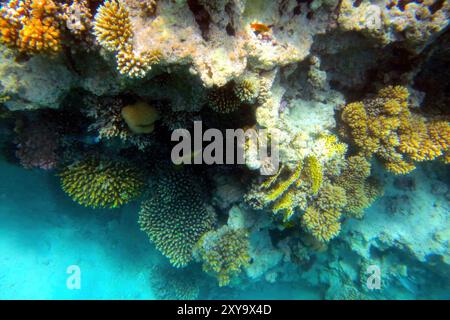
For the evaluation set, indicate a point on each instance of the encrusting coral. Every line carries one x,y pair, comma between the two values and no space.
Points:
224,252
386,127
112,27
31,26
175,216
98,183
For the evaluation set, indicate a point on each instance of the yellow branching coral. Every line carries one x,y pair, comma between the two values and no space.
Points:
31,26
359,189
113,30
322,225
93,182
331,197
313,173
280,192
112,26
385,126
224,253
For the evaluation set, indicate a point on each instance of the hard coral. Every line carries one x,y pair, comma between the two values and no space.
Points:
112,27
224,253
175,216
94,182
323,225
386,127
31,26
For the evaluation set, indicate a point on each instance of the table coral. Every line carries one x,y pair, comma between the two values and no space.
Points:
224,252
175,216
98,183
31,26
386,126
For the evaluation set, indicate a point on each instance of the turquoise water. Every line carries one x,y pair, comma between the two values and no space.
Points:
42,232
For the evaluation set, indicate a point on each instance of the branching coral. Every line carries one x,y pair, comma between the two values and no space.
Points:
359,189
224,253
280,192
94,182
175,216
323,225
313,173
112,27
31,26
386,127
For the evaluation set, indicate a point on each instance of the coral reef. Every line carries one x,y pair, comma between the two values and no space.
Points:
30,26
99,183
224,252
175,216
386,126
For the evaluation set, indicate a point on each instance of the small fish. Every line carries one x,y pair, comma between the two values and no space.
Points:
260,27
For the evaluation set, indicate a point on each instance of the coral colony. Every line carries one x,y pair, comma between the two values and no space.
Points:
350,97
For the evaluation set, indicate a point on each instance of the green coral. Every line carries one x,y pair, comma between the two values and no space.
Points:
224,253
175,216
94,182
